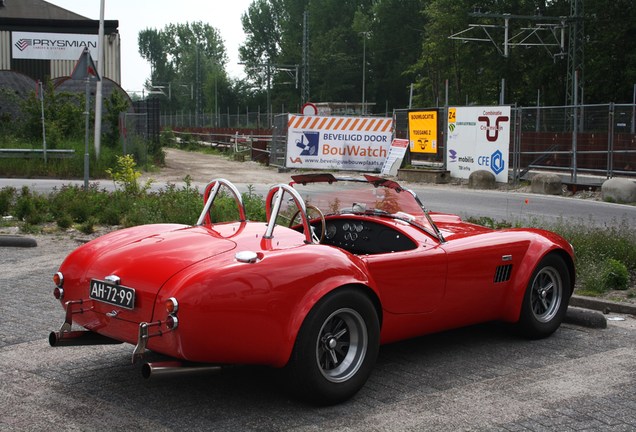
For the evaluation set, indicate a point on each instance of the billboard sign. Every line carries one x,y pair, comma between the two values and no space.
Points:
423,131
51,46
478,139
342,143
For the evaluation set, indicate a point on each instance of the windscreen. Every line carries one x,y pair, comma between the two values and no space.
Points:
359,197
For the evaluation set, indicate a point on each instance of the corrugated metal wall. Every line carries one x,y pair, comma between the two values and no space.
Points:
5,50
112,60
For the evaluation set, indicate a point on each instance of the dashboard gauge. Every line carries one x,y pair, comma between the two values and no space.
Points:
345,226
359,227
331,231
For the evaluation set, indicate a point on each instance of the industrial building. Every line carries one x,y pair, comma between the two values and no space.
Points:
41,40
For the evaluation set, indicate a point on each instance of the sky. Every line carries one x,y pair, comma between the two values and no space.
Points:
137,15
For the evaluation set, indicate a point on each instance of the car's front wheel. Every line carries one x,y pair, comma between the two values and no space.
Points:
546,299
336,348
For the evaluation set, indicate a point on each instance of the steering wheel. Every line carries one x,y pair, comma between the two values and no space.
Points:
323,224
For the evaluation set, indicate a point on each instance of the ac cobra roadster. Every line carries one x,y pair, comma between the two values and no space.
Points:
359,263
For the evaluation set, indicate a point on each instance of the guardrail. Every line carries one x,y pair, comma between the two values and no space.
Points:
37,153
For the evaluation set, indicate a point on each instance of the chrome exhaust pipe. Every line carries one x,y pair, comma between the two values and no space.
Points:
172,368
77,338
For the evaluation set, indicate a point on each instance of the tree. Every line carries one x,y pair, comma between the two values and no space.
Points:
395,43
187,63
610,51
475,70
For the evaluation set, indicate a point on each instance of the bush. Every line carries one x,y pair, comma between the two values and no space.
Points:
64,222
88,227
7,196
113,105
63,115
615,275
167,138
31,208
180,205
125,175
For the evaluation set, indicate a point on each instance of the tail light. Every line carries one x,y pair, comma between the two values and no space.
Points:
58,280
172,307
172,322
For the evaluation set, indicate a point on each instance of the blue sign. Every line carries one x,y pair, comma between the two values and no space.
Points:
497,162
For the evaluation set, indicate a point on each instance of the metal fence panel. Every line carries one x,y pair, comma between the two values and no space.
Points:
133,135
278,145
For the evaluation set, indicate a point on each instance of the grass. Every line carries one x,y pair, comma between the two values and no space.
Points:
605,256
67,168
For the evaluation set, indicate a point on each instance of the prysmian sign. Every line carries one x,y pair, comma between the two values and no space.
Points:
51,46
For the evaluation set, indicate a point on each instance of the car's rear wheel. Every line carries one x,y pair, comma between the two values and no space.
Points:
336,348
546,299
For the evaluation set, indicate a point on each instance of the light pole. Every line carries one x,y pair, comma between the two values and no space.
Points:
365,35
100,72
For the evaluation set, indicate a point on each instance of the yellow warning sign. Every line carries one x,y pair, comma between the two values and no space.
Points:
423,131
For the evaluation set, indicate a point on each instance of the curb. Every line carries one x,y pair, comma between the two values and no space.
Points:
585,318
604,306
17,241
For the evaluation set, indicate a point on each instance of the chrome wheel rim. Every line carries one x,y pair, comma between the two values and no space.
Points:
546,294
341,345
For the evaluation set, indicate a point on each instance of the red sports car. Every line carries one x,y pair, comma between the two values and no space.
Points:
357,264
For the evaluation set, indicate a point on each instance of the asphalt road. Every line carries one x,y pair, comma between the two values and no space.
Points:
480,378
499,205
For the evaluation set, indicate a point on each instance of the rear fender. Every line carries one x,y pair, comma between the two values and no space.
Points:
359,280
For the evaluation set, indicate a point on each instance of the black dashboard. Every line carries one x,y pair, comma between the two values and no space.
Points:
364,236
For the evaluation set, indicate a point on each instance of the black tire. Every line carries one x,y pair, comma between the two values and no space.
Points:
336,348
546,299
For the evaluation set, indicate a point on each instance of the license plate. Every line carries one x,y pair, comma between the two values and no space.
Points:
113,294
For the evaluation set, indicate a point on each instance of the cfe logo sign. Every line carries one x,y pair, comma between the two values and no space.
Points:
478,139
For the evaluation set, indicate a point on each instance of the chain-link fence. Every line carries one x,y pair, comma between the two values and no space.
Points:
133,135
237,119
597,140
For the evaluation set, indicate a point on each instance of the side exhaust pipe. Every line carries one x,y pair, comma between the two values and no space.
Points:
77,338
172,368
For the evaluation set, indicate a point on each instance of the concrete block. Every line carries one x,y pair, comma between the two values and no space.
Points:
481,180
547,184
619,190
424,175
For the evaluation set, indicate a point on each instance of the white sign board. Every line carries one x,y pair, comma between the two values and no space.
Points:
342,143
51,46
478,139
396,155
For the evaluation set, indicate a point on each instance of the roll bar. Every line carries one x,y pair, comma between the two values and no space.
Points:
211,191
276,193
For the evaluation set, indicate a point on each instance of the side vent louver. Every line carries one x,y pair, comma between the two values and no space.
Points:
503,272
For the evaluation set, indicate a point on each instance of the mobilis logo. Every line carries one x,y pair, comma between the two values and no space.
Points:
23,44
492,132
453,155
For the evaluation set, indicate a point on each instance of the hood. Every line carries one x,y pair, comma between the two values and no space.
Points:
452,226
